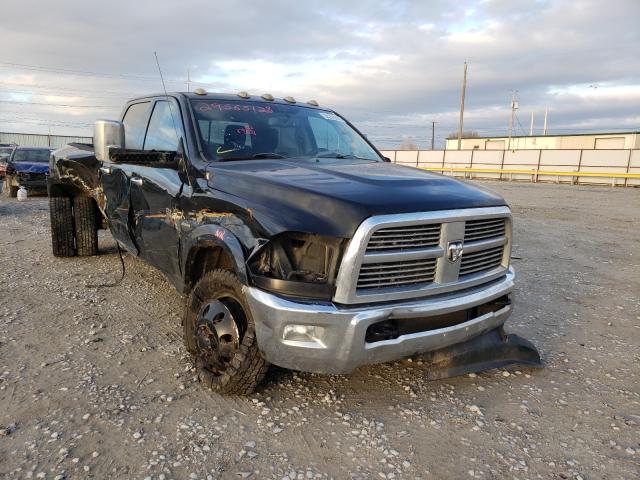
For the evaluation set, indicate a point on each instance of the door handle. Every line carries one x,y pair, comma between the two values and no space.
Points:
106,170
137,181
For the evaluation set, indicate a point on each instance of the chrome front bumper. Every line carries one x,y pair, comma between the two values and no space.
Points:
326,338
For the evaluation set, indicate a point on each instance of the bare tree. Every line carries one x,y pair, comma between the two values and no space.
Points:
467,134
407,144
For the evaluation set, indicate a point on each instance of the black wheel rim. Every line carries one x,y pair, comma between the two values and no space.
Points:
219,329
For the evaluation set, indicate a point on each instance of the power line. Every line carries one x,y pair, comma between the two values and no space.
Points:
65,89
60,104
70,71
88,73
59,94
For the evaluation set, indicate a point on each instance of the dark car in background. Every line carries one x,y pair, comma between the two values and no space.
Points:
27,167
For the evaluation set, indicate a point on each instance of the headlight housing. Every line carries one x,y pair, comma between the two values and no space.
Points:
298,264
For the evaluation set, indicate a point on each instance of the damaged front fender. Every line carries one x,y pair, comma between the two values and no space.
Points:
211,236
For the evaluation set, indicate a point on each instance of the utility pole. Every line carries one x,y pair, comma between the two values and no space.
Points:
544,128
464,88
531,127
188,80
514,105
433,134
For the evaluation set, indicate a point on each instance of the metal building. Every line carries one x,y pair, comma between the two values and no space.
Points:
579,141
36,140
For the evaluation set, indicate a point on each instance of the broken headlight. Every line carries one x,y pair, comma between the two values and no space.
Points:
298,264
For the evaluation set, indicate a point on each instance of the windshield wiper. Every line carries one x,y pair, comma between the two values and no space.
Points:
334,155
267,155
255,156
342,155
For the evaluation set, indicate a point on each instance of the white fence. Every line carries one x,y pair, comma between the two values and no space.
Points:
613,167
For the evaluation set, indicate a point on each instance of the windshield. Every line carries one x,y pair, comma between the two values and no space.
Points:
237,130
5,153
31,155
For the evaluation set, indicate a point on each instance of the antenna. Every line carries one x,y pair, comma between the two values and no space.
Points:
173,120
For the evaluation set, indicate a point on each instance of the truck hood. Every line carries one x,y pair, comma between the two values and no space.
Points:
30,167
332,197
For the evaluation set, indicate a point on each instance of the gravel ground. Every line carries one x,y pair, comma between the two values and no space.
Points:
96,382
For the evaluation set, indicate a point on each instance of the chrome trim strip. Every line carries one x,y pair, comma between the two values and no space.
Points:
354,256
479,245
417,254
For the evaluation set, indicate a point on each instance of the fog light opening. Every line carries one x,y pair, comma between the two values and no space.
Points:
304,334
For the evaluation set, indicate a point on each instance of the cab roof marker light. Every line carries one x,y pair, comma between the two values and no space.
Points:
313,103
200,91
244,95
267,96
289,99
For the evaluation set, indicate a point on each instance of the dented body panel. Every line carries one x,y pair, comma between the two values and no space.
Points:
281,224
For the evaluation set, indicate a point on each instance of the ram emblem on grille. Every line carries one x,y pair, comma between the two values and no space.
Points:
454,251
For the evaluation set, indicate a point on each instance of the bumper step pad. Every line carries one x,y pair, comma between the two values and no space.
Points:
493,349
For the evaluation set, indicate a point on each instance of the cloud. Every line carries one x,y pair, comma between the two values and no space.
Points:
390,66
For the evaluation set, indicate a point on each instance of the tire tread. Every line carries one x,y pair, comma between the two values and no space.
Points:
86,226
61,215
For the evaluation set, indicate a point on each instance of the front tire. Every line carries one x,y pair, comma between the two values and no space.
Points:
219,332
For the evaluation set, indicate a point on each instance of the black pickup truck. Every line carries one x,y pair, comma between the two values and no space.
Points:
297,243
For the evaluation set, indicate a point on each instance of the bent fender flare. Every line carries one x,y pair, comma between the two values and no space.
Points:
214,235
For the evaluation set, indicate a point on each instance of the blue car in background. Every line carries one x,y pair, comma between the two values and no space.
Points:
27,167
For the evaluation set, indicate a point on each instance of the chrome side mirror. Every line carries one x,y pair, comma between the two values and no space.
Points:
107,134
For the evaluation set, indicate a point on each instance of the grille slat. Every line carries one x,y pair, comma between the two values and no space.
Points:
404,238
480,226
484,223
483,229
409,228
493,228
481,261
388,275
382,266
487,235
416,276
488,265
403,245
390,272
407,233
386,284
481,254
401,237
480,269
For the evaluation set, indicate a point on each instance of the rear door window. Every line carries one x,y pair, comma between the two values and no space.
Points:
135,125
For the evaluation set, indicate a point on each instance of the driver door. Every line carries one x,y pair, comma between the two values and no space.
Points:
155,191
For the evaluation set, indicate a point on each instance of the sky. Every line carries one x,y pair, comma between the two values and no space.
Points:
391,67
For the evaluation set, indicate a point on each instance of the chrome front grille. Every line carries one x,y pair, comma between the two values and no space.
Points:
404,238
394,274
411,255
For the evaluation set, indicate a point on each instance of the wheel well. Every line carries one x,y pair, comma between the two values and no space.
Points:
204,259
63,190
